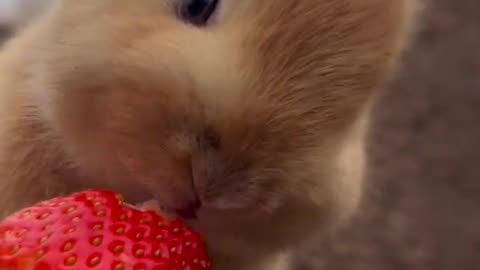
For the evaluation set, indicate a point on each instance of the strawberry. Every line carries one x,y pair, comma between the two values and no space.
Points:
97,230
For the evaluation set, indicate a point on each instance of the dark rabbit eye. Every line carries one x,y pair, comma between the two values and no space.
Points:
197,12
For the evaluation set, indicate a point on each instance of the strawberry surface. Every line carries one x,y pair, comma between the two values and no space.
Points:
97,230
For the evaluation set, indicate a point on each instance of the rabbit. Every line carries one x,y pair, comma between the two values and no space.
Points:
246,119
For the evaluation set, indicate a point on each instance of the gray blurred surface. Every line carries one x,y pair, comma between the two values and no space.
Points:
422,211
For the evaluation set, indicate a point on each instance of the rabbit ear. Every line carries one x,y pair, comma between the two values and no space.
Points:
16,13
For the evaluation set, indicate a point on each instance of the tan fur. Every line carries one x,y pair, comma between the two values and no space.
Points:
265,111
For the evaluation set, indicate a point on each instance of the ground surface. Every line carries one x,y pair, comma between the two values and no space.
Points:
423,206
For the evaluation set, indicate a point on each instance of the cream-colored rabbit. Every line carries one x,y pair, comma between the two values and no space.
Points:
246,118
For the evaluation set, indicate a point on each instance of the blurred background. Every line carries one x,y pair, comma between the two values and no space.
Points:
422,209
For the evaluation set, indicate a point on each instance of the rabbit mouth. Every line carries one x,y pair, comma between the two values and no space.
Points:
153,205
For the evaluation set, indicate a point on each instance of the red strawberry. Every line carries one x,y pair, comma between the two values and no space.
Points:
96,230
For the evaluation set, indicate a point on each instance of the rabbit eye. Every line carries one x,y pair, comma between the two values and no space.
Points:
197,12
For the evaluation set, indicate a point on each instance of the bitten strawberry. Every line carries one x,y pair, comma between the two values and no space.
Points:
97,230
